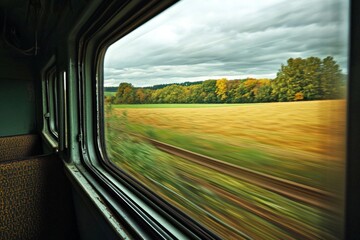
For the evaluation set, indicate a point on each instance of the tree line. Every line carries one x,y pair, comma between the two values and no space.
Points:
300,79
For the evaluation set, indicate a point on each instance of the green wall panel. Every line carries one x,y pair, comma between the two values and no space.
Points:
17,96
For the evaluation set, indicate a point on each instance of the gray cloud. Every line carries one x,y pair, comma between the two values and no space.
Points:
195,40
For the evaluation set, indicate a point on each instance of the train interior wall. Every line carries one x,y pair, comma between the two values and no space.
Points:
17,94
37,199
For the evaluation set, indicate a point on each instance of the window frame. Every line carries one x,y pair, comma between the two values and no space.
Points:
157,218
352,181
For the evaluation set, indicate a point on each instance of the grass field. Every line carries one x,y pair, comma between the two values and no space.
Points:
299,141
109,94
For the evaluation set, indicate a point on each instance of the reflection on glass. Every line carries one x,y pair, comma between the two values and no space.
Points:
234,112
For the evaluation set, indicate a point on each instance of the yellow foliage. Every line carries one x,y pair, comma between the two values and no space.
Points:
299,96
221,88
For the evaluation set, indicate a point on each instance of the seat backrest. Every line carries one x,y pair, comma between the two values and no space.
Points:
22,146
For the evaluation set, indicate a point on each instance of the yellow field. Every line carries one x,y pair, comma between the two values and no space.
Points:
301,133
315,127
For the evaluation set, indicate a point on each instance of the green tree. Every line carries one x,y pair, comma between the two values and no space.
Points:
263,91
331,79
308,79
208,91
194,94
173,94
298,76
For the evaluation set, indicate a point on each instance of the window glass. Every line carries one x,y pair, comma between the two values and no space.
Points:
55,104
234,113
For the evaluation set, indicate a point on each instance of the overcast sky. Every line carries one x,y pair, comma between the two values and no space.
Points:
198,40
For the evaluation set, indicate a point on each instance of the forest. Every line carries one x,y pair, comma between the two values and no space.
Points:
300,79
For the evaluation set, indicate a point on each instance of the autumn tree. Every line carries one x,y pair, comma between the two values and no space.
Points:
221,88
125,93
141,95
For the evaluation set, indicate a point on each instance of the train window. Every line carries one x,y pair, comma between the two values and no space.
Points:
234,113
51,92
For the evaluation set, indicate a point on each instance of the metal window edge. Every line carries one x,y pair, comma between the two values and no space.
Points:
76,175
50,140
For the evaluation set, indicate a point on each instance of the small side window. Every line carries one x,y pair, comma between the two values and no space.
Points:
51,102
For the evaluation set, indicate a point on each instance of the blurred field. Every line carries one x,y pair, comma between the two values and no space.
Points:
212,198
299,141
